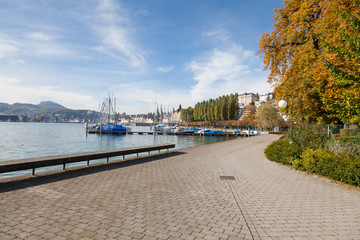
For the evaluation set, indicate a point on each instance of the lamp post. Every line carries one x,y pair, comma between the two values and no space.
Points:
282,104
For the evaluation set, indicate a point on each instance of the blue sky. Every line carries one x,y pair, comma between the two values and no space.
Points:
141,51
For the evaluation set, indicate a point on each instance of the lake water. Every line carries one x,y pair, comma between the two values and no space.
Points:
25,140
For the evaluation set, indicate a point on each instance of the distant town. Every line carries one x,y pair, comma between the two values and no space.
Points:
51,112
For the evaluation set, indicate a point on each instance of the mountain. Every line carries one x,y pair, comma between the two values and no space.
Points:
46,111
50,104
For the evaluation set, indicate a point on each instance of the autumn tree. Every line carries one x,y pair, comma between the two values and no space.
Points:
297,53
250,118
342,97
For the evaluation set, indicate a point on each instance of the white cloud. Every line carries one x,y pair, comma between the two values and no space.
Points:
12,90
36,44
40,36
8,46
221,35
134,98
165,69
42,44
113,28
226,71
47,49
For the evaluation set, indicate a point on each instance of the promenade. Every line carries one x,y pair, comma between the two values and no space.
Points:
227,190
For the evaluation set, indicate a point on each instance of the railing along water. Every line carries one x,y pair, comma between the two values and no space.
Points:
46,161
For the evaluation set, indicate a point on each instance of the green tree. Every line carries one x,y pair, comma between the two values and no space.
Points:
224,108
232,107
217,109
268,116
187,114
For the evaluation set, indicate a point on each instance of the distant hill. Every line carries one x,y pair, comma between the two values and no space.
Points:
17,108
46,111
50,104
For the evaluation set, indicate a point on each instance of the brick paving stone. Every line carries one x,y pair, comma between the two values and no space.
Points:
181,196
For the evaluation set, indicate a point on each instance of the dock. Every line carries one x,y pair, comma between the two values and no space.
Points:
223,134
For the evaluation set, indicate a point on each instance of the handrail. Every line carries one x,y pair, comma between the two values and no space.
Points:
46,161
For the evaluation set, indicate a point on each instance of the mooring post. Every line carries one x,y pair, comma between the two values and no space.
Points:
33,171
107,159
64,166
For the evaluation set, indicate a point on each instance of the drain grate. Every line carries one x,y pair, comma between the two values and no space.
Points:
227,178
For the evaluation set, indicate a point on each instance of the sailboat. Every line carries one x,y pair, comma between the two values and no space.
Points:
107,122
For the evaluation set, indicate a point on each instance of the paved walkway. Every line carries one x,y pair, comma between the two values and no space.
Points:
181,196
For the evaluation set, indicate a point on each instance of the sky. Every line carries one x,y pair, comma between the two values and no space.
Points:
143,52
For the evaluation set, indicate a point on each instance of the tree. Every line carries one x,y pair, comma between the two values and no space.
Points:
217,110
250,118
232,107
268,115
187,114
292,52
343,62
224,108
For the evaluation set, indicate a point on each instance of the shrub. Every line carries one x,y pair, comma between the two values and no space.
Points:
350,139
310,136
350,132
339,144
342,167
282,151
276,133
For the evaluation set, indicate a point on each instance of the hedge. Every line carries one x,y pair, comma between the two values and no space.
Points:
341,167
350,139
282,151
338,166
350,132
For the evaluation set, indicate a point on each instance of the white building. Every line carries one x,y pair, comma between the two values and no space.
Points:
264,98
247,98
176,116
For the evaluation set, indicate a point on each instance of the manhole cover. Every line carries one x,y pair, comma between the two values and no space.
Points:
227,178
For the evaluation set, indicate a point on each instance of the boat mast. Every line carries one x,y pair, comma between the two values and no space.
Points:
109,114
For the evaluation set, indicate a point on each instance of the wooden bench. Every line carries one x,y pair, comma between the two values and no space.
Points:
46,161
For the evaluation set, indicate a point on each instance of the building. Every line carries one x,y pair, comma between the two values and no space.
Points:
264,98
176,115
247,98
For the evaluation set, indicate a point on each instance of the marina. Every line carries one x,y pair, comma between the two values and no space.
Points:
214,133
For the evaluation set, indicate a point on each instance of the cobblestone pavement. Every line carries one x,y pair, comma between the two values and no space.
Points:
181,195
